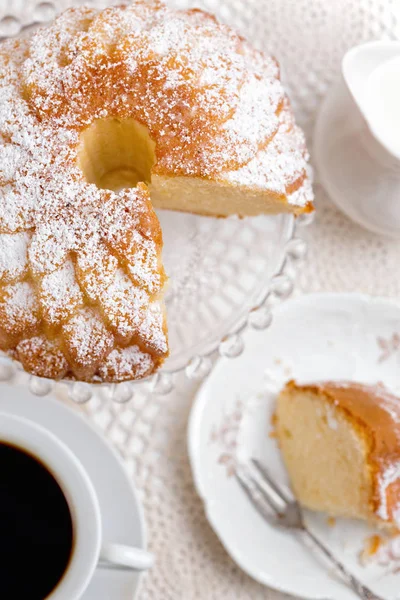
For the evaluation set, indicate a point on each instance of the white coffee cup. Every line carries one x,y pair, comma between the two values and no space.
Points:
88,548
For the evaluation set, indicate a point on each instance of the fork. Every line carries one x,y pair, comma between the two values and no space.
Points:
266,494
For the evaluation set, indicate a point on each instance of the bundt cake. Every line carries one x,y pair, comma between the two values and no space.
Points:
100,112
340,442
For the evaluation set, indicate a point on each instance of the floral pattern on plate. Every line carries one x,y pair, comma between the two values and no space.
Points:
316,337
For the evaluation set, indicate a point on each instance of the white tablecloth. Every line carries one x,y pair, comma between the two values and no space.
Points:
309,37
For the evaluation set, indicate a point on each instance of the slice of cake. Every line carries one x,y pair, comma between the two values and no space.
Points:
340,442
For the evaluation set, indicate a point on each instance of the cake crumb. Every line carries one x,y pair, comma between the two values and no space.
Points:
331,521
273,422
371,547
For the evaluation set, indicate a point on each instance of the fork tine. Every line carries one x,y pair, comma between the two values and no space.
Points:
267,491
258,502
263,491
258,493
263,472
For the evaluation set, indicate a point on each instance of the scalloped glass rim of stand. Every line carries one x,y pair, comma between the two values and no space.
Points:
230,245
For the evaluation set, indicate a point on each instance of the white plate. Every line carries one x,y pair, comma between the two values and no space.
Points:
121,512
335,336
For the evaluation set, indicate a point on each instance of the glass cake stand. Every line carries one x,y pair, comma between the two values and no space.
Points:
224,274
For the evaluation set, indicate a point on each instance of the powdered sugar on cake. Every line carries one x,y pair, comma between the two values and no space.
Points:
389,476
83,263
13,256
209,100
278,166
53,225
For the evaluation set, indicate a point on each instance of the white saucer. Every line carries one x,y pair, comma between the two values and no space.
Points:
335,336
121,512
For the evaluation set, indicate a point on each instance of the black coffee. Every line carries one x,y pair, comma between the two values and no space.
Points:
36,534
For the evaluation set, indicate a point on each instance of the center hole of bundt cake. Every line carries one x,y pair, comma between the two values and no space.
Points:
116,153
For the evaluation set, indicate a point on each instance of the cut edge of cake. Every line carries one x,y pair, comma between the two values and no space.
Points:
340,442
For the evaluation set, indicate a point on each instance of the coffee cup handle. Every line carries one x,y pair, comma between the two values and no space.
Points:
118,556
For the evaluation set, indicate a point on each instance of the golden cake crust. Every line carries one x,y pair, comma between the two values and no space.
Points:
125,61
375,414
214,106
81,278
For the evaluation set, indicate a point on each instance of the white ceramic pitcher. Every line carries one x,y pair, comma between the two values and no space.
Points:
357,138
